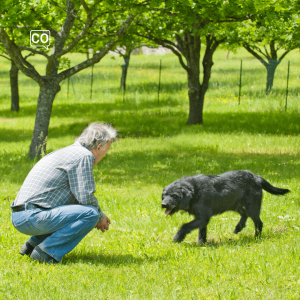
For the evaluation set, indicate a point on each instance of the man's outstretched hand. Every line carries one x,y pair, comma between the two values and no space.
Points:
103,224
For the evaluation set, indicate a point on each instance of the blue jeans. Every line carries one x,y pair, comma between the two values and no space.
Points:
56,231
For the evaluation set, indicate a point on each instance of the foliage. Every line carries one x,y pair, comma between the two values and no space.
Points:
69,22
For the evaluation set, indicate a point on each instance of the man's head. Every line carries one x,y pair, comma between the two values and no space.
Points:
98,137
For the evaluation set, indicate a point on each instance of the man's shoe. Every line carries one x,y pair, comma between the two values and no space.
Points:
26,249
41,256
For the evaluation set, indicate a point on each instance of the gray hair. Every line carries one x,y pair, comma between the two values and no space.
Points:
97,133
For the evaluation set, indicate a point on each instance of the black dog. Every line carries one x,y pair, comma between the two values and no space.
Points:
207,195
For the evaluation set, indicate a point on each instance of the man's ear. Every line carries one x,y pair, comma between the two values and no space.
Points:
187,195
99,147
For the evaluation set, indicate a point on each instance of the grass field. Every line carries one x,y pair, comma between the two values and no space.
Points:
136,258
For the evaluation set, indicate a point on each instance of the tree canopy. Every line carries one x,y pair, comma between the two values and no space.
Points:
70,23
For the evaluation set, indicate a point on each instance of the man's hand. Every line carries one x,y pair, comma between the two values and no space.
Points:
103,225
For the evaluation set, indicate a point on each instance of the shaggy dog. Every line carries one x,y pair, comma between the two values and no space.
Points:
207,195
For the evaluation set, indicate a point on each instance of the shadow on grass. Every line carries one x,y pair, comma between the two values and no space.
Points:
150,120
109,259
243,241
141,168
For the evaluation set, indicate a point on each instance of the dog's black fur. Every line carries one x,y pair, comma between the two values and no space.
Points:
207,195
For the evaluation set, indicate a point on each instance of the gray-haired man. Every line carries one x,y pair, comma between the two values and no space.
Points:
56,203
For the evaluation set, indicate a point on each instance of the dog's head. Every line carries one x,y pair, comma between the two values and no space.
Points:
176,196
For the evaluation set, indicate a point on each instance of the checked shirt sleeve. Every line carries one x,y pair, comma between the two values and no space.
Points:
82,183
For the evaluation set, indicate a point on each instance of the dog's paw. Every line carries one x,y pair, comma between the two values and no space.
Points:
201,242
177,239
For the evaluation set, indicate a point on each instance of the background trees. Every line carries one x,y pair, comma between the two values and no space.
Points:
69,22
184,28
270,36
13,76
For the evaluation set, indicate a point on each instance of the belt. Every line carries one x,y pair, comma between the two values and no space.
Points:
25,206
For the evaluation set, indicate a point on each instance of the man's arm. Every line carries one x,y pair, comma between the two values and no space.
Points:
82,183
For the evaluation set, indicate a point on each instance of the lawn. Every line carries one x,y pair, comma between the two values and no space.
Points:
136,258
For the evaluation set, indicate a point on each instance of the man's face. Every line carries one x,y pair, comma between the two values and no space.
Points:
100,151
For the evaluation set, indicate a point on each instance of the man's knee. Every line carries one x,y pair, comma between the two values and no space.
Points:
92,214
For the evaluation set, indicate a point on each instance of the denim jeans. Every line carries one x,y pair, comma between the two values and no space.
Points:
56,231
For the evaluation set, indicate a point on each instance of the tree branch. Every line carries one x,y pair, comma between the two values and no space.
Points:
283,55
5,57
75,41
61,39
85,6
98,55
167,44
267,51
53,32
177,53
30,54
34,51
248,48
14,52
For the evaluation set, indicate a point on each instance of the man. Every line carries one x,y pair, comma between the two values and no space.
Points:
56,203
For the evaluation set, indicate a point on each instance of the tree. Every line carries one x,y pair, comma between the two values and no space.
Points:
125,46
69,23
275,29
184,27
14,80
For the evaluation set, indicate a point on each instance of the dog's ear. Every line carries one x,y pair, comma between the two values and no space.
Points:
187,195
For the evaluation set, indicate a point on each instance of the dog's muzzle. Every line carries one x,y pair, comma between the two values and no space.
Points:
167,207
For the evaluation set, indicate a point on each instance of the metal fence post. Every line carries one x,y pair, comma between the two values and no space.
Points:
68,87
240,86
72,85
159,83
287,85
92,77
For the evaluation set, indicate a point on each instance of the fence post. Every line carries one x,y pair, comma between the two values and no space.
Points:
92,76
124,88
240,86
287,85
72,85
159,83
68,87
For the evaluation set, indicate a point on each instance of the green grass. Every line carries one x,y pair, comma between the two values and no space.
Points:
136,258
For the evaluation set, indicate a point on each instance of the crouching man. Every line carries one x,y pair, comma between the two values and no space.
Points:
56,203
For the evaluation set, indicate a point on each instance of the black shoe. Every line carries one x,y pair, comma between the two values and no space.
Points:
41,256
26,249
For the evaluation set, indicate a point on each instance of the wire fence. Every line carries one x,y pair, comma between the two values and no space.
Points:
158,79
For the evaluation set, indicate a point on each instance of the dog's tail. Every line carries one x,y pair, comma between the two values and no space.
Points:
270,188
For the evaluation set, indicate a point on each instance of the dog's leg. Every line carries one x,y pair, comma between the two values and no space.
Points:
258,224
254,213
258,227
202,235
242,222
188,227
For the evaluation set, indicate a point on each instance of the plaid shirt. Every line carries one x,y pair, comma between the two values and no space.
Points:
60,178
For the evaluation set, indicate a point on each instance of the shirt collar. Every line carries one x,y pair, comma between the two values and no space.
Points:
78,144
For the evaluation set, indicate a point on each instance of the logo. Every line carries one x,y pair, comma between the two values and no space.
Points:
40,38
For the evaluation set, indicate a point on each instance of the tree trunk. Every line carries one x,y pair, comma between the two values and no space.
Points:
271,68
14,87
195,99
190,46
44,108
124,70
